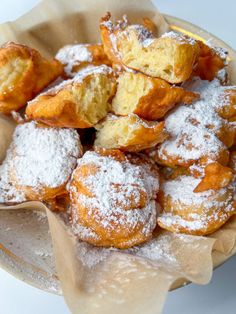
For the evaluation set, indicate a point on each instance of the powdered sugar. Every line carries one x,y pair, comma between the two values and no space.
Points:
157,250
169,220
145,37
72,55
213,93
43,156
182,39
221,52
181,192
136,121
115,190
8,192
194,128
77,79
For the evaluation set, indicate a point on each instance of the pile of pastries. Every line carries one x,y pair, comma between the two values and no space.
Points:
126,137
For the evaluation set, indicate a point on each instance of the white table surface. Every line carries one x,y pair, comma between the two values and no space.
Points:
16,297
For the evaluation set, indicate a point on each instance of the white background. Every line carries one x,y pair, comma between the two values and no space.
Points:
219,18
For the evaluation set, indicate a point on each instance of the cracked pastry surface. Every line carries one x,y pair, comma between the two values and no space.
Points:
129,133
80,102
113,199
171,57
150,98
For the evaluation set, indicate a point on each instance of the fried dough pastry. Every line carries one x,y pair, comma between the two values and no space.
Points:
215,177
232,162
129,133
77,103
76,57
212,176
23,74
40,160
210,61
221,98
150,98
190,146
113,199
171,57
198,133
185,211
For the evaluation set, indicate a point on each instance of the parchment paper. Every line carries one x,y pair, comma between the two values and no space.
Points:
96,280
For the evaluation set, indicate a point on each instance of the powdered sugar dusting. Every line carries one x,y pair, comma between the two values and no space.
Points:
115,188
90,255
182,39
181,192
194,129
43,156
8,192
145,37
77,79
72,55
157,250
221,52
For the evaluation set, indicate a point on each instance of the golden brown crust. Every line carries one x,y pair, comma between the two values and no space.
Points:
43,194
209,63
150,98
215,177
129,217
129,133
78,103
171,57
106,31
194,213
222,157
212,176
228,108
24,73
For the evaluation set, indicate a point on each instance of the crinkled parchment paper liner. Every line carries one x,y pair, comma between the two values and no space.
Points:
96,280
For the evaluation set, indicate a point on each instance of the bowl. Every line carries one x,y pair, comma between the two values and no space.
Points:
27,253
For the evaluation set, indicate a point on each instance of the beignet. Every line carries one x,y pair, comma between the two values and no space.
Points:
77,103
113,199
129,133
24,72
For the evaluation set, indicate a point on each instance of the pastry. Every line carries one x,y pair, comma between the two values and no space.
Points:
222,98
150,98
155,118
212,176
24,73
113,199
77,103
129,133
185,211
171,57
198,134
76,57
210,61
232,162
215,177
40,161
